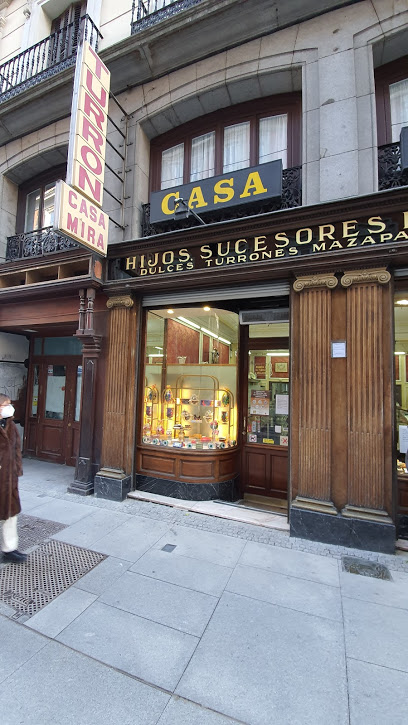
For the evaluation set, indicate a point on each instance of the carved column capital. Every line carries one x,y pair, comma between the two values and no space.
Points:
315,280
120,301
361,276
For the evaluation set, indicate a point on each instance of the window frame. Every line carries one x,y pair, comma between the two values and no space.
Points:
253,111
36,182
385,75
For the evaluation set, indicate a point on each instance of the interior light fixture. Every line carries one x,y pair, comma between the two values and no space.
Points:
403,303
156,347
188,322
206,308
399,353
277,353
170,312
227,342
156,354
208,332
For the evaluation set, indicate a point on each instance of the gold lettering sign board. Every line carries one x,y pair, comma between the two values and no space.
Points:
80,219
323,238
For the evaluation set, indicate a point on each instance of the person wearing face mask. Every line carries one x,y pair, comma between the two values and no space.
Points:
11,467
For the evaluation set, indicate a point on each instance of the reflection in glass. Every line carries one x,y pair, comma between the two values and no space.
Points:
55,395
32,219
34,399
78,392
268,397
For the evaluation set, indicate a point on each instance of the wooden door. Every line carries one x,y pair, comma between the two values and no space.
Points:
52,431
265,422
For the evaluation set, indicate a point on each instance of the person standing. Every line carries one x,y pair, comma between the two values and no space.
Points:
11,467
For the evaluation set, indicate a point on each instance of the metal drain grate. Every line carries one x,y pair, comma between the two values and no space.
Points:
364,567
49,570
33,531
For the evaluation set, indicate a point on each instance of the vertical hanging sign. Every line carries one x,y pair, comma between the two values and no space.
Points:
79,200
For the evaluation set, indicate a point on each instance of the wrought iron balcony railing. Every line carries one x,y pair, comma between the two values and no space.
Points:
146,13
390,174
46,58
37,244
291,197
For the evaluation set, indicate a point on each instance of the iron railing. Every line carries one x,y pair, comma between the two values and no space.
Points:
146,13
46,58
37,244
390,174
291,197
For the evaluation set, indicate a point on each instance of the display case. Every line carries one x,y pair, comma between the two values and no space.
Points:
198,413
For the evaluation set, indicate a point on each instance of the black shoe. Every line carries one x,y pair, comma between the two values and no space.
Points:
17,557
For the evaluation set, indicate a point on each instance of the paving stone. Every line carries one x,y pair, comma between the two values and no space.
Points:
376,633
102,576
17,645
88,530
216,548
142,648
299,594
292,563
132,539
392,593
56,615
173,606
247,667
377,694
64,687
181,712
202,576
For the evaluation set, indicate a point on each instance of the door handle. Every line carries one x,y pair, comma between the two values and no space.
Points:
244,430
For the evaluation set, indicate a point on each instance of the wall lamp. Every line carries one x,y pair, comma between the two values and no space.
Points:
183,211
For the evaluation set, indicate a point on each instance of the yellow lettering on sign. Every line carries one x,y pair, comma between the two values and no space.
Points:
196,198
223,191
268,440
253,185
377,223
165,203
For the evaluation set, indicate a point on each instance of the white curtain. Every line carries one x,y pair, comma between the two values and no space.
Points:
273,135
236,147
399,107
202,156
172,167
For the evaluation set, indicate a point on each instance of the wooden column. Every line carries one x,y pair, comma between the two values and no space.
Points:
114,478
311,384
369,353
91,348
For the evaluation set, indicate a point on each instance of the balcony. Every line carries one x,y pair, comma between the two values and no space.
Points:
291,197
39,243
390,174
45,69
146,13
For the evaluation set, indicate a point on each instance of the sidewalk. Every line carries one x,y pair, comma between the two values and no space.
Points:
194,619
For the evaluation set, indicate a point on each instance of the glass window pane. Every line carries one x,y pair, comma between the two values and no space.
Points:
62,346
38,345
268,397
32,214
34,399
172,166
273,139
236,147
191,379
399,107
48,206
78,392
55,395
203,157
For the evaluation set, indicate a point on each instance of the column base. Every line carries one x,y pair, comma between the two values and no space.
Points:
112,484
313,504
360,512
355,533
83,483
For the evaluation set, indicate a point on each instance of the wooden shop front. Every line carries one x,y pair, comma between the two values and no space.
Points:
257,357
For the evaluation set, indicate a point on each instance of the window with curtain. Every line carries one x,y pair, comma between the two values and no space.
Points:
36,201
236,147
230,139
399,107
172,166
203,156
273,139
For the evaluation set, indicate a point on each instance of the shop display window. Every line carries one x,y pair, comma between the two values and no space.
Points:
191,358
401,380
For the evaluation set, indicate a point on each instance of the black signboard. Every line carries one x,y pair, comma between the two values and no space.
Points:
231,189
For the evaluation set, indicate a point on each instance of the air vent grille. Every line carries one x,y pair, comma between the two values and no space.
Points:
258,317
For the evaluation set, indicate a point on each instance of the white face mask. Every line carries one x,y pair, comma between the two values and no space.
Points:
7,411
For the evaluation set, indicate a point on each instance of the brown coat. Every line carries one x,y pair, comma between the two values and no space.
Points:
11,467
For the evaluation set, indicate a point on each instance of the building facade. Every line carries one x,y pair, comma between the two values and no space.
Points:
247,334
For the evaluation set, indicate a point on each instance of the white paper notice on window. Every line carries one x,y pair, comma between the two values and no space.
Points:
282,405
403,438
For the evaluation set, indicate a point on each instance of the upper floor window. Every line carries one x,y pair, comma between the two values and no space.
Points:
36,201
391,82
228,140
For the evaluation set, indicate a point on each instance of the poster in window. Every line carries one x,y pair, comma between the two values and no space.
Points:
260,367
259,402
